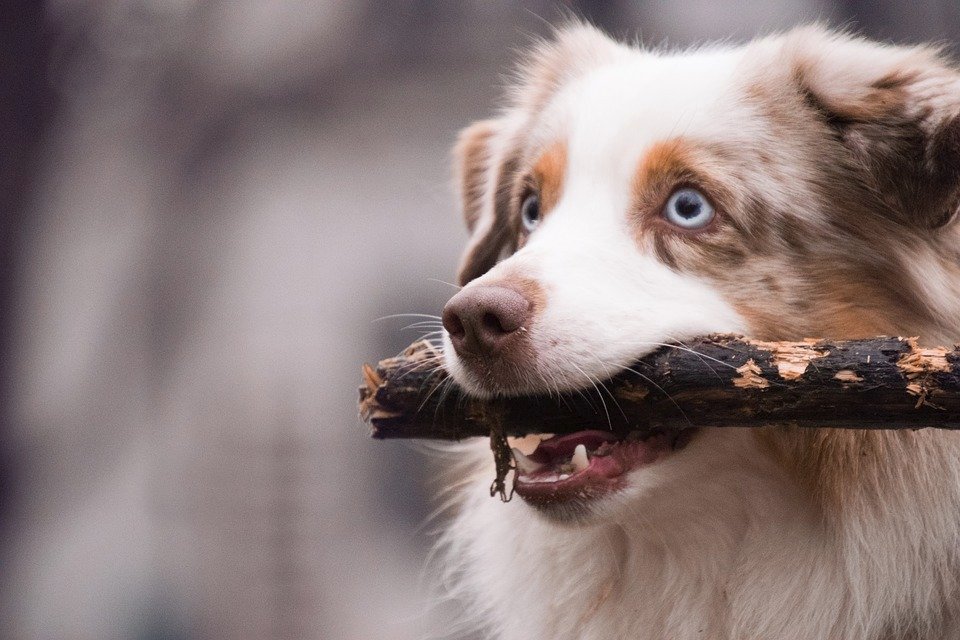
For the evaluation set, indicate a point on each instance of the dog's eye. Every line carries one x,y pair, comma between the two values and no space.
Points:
530,212
688,209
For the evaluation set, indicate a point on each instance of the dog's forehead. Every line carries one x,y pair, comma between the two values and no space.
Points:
611,115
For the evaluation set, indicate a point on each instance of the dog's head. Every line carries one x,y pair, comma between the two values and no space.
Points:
801,185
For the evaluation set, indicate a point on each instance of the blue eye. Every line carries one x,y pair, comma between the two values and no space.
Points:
688,209
530,212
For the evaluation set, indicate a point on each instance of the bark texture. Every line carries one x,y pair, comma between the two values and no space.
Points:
715,381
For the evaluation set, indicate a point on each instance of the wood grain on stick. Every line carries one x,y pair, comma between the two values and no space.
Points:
715,381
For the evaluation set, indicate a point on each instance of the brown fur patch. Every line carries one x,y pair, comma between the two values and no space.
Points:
484,251
472,161
892,133
827,462
841,468
874,192
666,167
549,172
663,164
828,271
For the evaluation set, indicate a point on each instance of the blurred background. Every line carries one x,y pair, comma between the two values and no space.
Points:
204,207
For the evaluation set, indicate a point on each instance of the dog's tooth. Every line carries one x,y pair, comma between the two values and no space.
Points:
527,444
579,459
525,464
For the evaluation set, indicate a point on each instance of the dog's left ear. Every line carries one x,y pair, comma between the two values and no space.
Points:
896,110
484,166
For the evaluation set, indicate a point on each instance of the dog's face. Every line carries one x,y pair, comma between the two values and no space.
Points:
793,187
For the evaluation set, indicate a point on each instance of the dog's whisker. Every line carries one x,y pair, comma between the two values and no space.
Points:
430,334
425,330
702,357
407,315
679,347
663,391
551,388
447,386
604,387
578,389
599,395
430,394
455,286
424,324
430,362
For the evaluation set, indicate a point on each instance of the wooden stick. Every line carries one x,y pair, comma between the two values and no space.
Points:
715,381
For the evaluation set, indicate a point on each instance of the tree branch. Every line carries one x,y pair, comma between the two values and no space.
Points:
716,381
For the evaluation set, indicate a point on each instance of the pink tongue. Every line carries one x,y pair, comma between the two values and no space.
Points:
564,446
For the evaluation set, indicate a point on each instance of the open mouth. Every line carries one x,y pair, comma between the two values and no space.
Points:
585,465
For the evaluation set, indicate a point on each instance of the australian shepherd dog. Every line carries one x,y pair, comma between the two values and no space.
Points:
801,185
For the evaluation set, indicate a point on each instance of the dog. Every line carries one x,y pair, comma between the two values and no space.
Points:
803,184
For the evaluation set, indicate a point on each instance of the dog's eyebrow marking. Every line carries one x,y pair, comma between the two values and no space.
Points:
657,171
665,159
665,164
549,173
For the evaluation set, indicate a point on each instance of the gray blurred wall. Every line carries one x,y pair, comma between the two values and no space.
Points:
207,205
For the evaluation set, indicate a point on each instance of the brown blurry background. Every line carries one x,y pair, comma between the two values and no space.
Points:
205,206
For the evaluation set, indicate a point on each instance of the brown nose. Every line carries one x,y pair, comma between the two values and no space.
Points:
480,319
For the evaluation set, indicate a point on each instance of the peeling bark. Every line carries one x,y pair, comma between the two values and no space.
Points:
716,381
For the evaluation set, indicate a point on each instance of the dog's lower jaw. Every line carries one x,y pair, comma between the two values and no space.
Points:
570,478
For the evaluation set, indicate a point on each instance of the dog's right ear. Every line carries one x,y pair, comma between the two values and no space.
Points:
897,112
484,171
